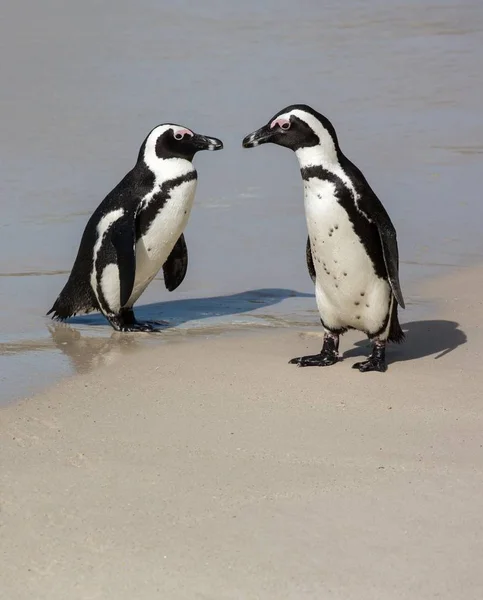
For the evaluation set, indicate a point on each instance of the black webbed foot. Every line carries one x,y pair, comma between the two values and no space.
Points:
370,365
126,322
138,326
315,360
329,354
375,362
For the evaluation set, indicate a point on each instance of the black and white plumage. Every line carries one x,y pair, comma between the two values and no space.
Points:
136,230
352,252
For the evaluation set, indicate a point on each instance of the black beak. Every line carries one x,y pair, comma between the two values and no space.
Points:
260,136
203,142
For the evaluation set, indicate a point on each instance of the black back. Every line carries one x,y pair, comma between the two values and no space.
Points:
77,294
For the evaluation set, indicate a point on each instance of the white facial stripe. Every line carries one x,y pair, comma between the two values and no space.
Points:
150,156
167,168
324,154
326,150
153,137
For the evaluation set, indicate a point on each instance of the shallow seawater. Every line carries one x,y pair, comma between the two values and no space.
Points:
83,84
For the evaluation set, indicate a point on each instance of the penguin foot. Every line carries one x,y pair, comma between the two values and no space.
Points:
126,322
376,361
137,326
371,364
329,354
324,359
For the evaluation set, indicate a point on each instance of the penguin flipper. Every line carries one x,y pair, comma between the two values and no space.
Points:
176,265
123,238
387,233
310,260
370,205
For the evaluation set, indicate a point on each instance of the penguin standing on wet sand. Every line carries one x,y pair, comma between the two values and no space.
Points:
352,252
136,230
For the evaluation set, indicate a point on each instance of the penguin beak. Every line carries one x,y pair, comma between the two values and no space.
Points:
202,142
260,136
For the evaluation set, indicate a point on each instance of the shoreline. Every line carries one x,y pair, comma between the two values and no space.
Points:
85,343
214,469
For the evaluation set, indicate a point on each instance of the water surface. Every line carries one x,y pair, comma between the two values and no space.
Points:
83,83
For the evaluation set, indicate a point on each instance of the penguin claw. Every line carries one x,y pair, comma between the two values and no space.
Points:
370,365
315,360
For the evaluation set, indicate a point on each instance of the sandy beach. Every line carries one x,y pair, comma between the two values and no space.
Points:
215,470
199,465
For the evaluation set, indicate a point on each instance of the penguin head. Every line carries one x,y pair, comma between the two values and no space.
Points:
175,141
297,127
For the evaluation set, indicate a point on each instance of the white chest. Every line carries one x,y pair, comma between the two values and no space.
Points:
335,246
349,293
169,223
155,245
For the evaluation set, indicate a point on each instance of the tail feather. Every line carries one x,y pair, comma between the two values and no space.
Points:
75,298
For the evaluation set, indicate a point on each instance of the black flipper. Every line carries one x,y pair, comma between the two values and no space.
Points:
396,334
123,237
310,260
387,233
176,265
375,212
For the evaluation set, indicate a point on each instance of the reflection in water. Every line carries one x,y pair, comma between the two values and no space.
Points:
86,353
88,342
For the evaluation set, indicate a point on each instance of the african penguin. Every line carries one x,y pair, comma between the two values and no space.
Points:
351,251
136,230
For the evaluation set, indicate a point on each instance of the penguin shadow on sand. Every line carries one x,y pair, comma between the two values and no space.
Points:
423,338
88,352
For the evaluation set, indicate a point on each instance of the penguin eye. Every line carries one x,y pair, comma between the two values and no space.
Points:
178,136
285,125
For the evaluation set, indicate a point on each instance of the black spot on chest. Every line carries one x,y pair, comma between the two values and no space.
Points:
365,230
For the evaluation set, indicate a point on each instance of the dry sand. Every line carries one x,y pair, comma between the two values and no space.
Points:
215,470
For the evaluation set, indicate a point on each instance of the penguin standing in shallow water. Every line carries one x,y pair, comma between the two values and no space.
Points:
136,230
352,252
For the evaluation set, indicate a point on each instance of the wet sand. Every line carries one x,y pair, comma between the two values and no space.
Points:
214,469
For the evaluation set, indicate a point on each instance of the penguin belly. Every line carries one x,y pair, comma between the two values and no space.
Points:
349,293
155,245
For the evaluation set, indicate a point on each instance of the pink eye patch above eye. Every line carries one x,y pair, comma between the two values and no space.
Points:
280,122
181,132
